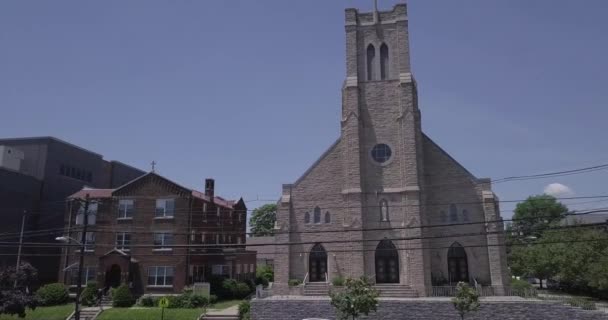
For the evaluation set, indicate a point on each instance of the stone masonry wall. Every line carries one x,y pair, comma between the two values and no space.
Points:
438,309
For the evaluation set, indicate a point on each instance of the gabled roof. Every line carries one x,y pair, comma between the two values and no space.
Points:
109,193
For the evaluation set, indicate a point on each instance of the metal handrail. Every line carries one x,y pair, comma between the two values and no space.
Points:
305,278
371,278
326,278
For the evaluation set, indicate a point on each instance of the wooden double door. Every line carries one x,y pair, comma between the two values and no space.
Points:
317,264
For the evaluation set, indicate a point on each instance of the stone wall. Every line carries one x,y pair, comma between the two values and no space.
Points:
436,309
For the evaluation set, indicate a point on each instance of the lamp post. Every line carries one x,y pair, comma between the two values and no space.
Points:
82,244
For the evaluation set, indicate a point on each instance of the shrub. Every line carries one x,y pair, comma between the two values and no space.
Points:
244,310
147,301
52,294
581,303
212,299
265,272
522,288
338,281
261,281
217,288
121,297
175,302
242,290
294,282
89,295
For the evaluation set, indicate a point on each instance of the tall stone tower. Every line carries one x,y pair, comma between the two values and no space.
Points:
381,132
384,201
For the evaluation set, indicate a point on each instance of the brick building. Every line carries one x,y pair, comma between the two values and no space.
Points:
365,207
36,176
157,236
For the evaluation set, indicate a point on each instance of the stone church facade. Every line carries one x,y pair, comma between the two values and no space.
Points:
385,201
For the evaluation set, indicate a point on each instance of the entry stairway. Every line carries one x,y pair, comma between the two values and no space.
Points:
316,289
87,313
385,289
395,290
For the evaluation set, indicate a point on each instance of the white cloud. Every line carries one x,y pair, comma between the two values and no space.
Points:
558,190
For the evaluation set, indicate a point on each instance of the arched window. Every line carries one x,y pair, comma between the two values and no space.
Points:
307,217
383,61
371,57
327,217
443,216
383,210
317,215
453,213
465,215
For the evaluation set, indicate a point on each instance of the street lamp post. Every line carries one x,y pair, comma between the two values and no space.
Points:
82,243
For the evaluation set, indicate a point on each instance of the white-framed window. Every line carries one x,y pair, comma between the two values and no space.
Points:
220,269
217,238
251,268
165,208
161,276
89,242
163,240
238,239
203,237
123,241
238,269
91,216
89,273
126,208
219,215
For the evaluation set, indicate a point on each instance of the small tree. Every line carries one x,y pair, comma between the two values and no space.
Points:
536,214
357,298
17,296
466,299
262,220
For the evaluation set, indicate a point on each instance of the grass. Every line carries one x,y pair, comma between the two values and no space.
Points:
45,313
148,314
225,304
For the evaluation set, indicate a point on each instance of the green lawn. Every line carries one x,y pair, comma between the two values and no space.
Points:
45,313
148,314
225,304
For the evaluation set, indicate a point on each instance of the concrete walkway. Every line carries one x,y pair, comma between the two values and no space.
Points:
232,311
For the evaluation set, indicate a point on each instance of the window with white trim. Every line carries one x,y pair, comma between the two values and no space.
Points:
238,269
251,268
89,242
123,241
163,240
203,237
165,208
89,273
217,238
204,211
91,216
160,276
126,208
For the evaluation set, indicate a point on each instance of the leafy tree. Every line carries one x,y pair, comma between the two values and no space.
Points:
17,297
262,220
534,260
535,214
466,299
358,298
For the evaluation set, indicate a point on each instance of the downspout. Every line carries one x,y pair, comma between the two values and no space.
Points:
189,236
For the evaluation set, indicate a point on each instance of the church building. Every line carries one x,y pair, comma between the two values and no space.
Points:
385,201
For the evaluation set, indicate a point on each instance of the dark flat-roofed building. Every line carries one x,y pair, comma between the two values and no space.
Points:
36,176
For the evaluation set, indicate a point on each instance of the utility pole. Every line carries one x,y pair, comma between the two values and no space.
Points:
83,240
20,245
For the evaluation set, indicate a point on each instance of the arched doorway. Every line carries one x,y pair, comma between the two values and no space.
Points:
317,263
387,262
113,276
458,267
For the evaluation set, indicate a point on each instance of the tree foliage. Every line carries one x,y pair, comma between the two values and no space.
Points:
357,298
536,214
466,299
262,220
15,295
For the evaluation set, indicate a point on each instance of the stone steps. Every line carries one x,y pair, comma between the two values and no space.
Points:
87,314
396,291
316,289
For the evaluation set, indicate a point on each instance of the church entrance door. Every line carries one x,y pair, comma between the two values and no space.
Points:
387,262
458,267
317,263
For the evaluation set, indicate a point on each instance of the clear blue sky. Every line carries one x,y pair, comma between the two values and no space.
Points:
248,92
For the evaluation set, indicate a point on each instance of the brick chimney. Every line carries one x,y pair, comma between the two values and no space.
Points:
209,188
